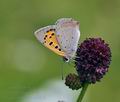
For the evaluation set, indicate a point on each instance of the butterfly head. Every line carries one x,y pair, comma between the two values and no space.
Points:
65,59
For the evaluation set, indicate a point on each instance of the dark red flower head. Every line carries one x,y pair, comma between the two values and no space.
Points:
92,60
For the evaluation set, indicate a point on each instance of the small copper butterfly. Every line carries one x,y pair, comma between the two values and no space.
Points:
62,37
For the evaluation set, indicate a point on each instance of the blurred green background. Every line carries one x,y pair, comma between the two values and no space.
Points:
26,65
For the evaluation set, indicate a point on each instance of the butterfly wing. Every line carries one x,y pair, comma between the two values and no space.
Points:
68,34
47,37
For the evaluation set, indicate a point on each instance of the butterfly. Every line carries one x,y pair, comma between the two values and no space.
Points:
62,37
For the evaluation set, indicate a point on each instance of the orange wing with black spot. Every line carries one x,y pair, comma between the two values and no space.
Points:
47,36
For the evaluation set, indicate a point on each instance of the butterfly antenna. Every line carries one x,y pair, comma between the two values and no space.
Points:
62,73
62,70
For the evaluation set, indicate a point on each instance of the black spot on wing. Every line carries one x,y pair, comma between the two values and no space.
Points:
47,31
44,42
50,37
56,47
45,37
52,34
51,30
59,49
50,43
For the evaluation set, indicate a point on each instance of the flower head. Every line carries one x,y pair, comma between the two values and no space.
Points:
73,81
92,60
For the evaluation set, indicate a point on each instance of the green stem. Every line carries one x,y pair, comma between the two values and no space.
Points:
81,95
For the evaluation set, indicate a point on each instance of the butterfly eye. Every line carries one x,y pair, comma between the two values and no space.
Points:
65,59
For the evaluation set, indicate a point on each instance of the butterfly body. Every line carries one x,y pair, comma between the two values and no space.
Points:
62,38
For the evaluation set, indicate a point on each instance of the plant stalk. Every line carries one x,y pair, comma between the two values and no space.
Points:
81,95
